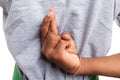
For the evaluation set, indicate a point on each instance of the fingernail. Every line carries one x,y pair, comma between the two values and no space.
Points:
49,14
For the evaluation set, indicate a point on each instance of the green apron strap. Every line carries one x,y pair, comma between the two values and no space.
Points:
94,77
16,74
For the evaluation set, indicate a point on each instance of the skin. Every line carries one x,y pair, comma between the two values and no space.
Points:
61,49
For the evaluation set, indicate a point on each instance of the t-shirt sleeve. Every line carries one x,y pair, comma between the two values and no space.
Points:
3,5
118,19
0,3
117,12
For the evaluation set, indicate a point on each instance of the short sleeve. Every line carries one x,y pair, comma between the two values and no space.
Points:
0,3
118,19
117,12
3,4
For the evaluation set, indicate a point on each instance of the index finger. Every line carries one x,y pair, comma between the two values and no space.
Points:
45,26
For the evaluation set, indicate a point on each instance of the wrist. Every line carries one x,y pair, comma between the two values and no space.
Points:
76,63
80,69
84,66
77,67
88,66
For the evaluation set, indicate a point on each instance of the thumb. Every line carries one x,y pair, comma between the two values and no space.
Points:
67,37
71,46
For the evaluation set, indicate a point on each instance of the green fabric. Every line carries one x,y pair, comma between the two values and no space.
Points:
94,77
17,76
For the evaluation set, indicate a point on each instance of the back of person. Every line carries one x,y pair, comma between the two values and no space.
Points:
89,22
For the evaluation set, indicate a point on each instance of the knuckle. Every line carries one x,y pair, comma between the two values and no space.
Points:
58,38
61,41
44,29
51,36
46,19
45,24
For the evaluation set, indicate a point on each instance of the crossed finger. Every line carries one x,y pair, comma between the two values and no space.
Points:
49,24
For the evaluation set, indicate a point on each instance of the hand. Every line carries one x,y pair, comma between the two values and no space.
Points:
59,49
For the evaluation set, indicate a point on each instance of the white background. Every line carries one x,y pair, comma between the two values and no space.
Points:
7,62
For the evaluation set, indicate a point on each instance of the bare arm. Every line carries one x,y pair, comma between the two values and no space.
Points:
66,58
107,66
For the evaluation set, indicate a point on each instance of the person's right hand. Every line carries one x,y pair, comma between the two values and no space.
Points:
59,49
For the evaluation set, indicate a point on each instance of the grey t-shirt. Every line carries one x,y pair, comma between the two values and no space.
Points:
89,22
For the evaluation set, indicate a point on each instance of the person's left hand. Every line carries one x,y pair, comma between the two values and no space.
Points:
59,49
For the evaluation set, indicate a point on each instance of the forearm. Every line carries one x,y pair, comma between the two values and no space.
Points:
108,66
